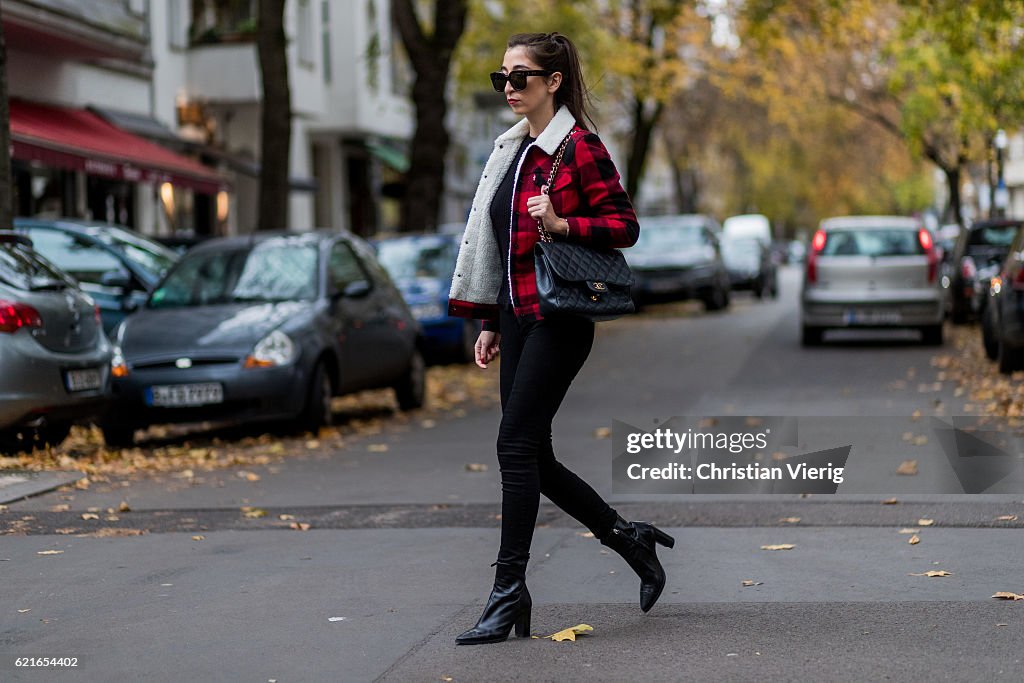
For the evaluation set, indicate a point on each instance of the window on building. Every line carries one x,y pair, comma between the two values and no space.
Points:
306,41
177,34
325,35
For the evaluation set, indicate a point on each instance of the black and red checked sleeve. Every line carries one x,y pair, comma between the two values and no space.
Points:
610,220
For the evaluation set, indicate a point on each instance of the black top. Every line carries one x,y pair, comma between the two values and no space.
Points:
501,220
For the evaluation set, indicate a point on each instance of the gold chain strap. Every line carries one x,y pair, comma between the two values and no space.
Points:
545,236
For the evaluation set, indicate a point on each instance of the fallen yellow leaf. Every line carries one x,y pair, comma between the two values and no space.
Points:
778,546
1006,518
199,538
476,467
377,447
751,582
22,611
586,534
933,572
908,531
123,507
920,440
253,513
890,501
286,517
90,515
914,540
1004,595
908,467
925,522
571,633
299,526
602,433
789,520
49,552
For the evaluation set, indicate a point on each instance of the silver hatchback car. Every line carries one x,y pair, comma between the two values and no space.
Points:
54,356
872,272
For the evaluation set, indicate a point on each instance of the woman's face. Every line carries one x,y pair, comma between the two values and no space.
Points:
539,92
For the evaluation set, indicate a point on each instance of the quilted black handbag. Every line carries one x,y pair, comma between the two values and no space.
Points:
574,279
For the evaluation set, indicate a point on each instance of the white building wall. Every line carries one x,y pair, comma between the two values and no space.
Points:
54,80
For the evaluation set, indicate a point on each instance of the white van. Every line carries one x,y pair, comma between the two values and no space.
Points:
748,226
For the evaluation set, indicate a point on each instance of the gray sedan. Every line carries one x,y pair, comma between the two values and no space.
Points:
54,355
872,271
268,327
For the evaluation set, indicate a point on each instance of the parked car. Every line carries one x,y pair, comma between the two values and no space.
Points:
54,356
115,266
422,267
871,272
751,266
752,225
267,326
676,258
1003,331
979,249
180,242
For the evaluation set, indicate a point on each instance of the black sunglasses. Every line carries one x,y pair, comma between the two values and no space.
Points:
516,78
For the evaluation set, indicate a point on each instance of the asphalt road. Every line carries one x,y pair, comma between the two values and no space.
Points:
186,587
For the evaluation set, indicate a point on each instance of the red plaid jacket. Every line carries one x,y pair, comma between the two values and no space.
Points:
586,192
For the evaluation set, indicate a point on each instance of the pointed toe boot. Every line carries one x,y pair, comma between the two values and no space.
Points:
636,543
507,606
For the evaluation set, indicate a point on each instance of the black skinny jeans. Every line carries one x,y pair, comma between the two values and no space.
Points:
539,360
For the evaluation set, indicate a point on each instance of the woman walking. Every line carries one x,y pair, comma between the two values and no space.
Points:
495,280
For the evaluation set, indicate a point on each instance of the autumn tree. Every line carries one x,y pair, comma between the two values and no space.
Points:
430,46
276,116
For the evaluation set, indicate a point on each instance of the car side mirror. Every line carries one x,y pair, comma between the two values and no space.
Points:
356,290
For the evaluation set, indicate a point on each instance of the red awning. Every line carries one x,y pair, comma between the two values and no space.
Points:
80,140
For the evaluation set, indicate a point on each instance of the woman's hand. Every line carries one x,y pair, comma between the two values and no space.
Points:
487,347
540,208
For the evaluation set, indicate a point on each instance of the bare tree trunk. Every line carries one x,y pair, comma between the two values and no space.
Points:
955,210
431,57
6,186
276,119
643,128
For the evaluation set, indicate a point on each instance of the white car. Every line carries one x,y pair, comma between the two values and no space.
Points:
872,272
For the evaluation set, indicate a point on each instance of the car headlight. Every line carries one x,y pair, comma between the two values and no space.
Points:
118,365
276,348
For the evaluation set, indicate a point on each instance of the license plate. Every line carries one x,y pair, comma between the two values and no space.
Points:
181,395
858,317
83,380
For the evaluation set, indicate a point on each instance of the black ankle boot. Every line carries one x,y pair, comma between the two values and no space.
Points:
509,604
635,541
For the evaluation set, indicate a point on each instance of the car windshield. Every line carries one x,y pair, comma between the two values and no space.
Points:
660,237
993,236
874,242
22,268
407,259
154,258
269,272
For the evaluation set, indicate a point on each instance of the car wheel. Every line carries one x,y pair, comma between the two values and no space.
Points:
988,337
317,412
118,435
52,434
715,299
812,336
1007,357
932,335
775,289
412,388
759,289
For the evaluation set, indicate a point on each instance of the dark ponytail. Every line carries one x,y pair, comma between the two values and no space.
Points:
555,52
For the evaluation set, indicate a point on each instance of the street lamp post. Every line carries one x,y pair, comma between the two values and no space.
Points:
1001,199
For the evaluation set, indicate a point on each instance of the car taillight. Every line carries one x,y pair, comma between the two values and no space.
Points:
817,244
14,316
925,238
96,313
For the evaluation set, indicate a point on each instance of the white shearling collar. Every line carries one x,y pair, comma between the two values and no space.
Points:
552,135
